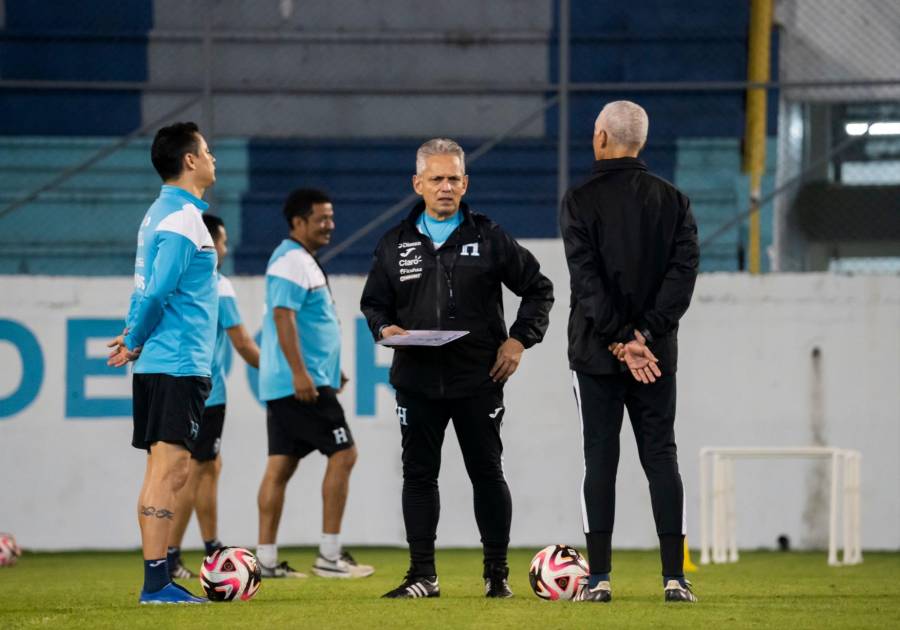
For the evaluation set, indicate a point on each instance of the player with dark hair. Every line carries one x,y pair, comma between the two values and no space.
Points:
169,333
171,144
200,493
299,379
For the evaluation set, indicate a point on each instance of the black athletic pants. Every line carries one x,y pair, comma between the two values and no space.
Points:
476,421
601,401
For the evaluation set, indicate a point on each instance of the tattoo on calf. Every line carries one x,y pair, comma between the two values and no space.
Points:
149,510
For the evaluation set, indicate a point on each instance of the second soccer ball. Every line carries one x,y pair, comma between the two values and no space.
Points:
230,573
556,572
9,550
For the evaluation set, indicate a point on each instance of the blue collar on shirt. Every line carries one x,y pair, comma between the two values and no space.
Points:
181,192
438,231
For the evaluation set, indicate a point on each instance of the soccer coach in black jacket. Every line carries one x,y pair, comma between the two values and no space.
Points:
442,269
631,246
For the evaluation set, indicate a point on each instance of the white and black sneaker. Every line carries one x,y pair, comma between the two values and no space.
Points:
415,587
283,570
601,593
343,567
679,592
181,572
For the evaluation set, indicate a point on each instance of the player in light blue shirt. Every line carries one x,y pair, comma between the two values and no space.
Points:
200,493
295,282
299,379
170,332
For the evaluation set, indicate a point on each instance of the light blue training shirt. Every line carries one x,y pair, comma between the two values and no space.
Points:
229,317
438,231
173,310
295,281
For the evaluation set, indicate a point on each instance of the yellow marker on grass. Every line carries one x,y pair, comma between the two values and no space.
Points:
689,567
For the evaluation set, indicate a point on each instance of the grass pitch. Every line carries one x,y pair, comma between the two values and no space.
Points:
763,590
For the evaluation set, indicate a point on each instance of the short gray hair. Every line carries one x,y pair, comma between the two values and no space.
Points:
439,146
625,122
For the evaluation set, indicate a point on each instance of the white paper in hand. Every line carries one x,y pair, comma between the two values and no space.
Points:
424,338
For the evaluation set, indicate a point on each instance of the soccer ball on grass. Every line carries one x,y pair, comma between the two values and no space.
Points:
556,572
230,573
9,550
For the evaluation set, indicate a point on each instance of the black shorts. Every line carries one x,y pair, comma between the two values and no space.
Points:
297,428
206,446
167,409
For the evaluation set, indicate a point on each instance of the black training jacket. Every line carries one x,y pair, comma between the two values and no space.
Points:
454,288
631,246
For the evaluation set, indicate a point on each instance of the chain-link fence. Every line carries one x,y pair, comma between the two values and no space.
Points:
843,137
302,94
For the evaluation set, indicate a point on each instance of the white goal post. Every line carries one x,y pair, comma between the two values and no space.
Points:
717,467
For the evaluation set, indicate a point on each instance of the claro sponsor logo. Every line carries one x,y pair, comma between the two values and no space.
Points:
410,262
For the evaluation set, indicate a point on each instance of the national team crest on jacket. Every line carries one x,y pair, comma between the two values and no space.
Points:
469,249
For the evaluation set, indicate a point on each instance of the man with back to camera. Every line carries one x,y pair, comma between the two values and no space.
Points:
200,493
169,333
442,269
631,246
299,379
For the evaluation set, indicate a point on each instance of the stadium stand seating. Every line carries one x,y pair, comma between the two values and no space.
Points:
87,225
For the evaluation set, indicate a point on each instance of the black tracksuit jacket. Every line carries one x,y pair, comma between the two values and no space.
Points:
631,246
457,287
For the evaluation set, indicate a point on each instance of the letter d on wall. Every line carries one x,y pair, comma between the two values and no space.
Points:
32,367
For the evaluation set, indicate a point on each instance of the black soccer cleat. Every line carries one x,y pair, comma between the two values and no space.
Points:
601,593
414,587
680,592
496,584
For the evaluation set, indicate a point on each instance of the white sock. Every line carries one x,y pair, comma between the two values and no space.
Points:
267,555
330,547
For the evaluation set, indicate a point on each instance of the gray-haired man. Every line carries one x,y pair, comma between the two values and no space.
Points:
631,245
442,269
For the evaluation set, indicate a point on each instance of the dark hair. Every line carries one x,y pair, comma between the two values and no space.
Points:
213,223
300,202
170,146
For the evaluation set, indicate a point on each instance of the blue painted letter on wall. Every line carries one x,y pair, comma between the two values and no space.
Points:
368,373
79,367
32,367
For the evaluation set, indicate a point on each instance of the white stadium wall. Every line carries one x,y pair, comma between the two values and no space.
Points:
747,378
